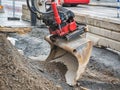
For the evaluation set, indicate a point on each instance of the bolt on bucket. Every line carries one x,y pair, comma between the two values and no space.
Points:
73,54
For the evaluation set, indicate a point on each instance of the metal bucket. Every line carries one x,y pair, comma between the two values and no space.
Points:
74,54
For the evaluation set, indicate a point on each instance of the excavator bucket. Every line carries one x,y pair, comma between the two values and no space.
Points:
74,54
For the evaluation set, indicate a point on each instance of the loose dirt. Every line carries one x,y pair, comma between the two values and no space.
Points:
16,73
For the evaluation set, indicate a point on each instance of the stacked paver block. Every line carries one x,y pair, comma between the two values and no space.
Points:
103,32
25,13
109,3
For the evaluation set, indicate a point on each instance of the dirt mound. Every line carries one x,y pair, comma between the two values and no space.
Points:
16,73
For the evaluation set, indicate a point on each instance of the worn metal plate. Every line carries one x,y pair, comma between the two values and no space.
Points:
74,54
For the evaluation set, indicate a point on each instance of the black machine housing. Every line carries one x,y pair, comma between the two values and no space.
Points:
66,16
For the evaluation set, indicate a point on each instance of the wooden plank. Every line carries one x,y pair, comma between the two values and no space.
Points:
20,30
104,33
102,41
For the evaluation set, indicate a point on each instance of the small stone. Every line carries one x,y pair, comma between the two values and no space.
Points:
59,87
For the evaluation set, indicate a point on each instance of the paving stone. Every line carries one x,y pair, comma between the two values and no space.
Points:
104,32
102,41
99,22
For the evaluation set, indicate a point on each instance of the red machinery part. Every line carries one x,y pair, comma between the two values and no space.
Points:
55,11
74,1
70,27
65,30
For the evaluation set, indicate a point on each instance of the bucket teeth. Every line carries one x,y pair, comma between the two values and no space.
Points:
74,54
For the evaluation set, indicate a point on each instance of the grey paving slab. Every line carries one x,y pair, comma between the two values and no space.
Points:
13,23
96,11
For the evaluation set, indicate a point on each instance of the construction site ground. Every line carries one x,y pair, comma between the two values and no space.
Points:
102,72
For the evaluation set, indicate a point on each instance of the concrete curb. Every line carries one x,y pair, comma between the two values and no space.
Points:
105,19
104,4
103,32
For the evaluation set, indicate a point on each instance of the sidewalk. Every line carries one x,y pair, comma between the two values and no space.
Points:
114,5
105,3
13,23
100,12
8,13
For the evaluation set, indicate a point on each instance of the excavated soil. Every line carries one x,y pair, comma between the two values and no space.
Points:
20,73
17,73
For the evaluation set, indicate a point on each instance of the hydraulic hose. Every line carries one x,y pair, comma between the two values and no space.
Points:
28,4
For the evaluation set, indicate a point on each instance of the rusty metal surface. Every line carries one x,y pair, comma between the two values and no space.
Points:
74,54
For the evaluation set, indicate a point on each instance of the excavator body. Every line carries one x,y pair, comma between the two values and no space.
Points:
67,44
